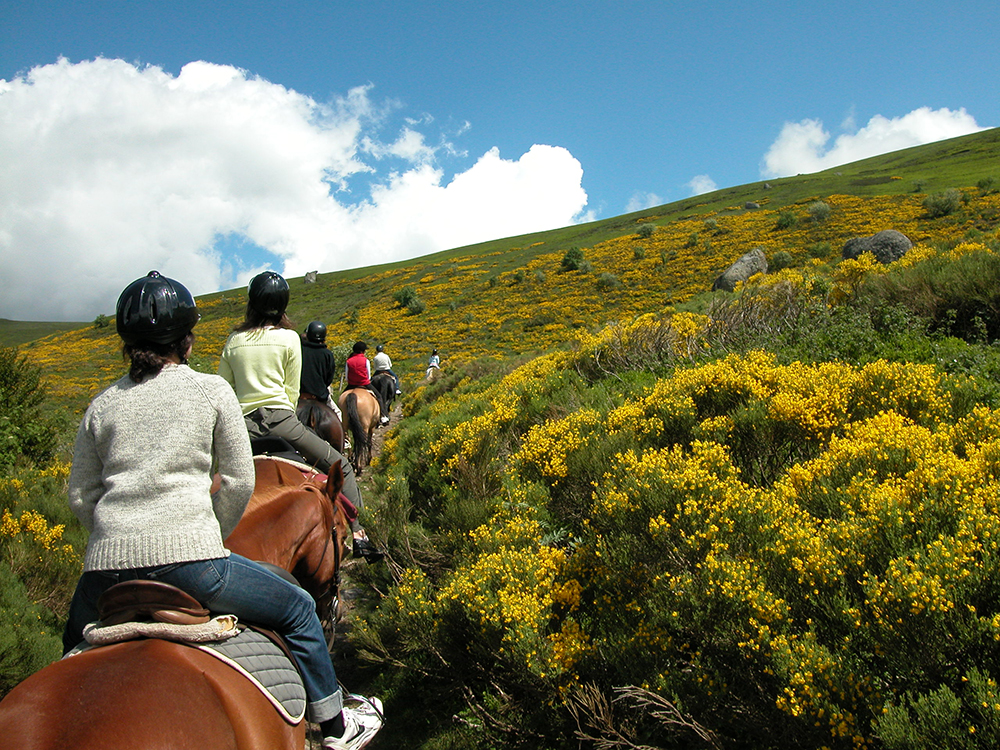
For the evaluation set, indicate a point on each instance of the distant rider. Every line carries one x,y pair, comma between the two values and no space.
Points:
384,364
318,367
358,372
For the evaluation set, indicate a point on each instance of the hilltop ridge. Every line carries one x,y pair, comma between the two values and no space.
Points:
513,296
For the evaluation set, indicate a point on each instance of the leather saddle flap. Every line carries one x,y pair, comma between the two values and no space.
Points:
151,600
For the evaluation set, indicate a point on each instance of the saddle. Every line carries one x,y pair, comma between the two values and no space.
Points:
147,600
276,446
259,654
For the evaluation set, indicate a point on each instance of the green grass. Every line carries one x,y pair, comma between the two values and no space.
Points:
17,332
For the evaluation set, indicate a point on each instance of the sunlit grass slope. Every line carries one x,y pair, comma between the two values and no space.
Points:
510,297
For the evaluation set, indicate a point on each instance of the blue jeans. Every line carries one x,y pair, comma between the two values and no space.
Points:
238,586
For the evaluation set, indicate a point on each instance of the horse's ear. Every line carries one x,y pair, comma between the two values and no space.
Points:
334,480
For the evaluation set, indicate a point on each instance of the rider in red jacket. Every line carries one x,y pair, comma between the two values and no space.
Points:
359,375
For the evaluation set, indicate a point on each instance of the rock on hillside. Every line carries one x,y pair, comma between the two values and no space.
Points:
887,246
752,263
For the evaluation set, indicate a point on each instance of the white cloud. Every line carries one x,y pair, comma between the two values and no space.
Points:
640,201
701,184
108,170
801,147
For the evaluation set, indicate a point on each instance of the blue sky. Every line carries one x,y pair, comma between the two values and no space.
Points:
210,140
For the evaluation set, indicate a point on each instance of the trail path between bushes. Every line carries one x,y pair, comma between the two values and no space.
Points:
344,654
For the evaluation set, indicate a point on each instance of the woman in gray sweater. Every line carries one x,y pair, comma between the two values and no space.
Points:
143,463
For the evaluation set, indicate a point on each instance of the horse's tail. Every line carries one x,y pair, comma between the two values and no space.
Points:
359,435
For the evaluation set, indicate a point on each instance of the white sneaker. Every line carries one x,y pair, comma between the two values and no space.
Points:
360,726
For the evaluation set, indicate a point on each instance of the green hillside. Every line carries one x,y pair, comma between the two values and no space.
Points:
633,512
17,332
512,297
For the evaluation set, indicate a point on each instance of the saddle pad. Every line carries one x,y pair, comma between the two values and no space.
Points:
266,665
217,629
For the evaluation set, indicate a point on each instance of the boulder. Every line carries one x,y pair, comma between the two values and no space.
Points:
752,263
887,246
310,277
751,206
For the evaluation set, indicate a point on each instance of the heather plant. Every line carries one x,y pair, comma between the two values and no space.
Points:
942,204
786,220
645,231
780,261
819,211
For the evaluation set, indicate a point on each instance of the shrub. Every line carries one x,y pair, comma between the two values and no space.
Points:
638,252
986,185
942,204
403,297
820,250
586,267
415,306
572,259
608,281
780,260
101,321
645,231
26,432
692,240
786,220
819,211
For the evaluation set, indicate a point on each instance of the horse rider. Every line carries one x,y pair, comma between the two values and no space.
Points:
434,363
143,464
384,364
318,367
262,361
358,373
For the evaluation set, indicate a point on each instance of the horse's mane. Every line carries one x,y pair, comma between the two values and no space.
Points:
303,477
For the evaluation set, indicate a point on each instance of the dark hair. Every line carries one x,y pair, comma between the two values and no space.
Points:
147,358
256,319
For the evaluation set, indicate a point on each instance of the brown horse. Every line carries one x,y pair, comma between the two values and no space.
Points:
322,420
361,416
153,694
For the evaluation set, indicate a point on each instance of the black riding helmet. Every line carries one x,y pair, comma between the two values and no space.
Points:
268,293
316,332
155,309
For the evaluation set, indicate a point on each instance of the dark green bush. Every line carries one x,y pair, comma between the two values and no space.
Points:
780,260
26,432
572,259
645,231
786,220
942,204
608,281
404,296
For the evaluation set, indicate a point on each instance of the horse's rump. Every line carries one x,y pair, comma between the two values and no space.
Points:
322,420
142,695
385,384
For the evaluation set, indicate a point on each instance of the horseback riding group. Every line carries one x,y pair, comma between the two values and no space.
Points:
192,537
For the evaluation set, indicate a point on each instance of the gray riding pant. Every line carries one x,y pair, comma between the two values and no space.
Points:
283,423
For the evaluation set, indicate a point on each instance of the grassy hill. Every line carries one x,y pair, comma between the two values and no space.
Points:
633,512
17,332
510,297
